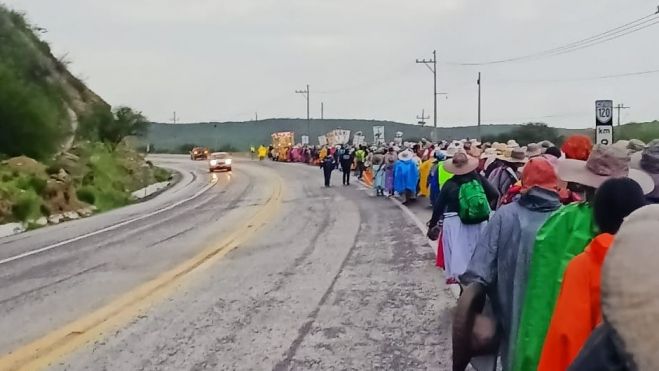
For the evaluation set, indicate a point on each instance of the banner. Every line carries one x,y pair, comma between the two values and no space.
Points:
331,138
378,135
359,139
342,136
305,140
322,140
398,139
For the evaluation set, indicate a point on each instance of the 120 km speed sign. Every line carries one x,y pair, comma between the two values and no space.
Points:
604,121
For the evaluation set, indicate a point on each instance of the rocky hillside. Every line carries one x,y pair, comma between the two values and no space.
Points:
63,152
41,98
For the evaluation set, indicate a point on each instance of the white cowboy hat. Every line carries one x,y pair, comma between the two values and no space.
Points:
405,155
453,148
461,164
648,162
533,150
604,162
514,155
512,144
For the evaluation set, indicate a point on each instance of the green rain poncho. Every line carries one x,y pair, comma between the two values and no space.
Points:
565,235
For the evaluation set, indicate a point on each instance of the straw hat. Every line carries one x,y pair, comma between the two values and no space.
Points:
405,155
603,163
512,144
514,155
636,145
533,150
453,148
500,147
629,287
546,144
461,164
622,144
489,153
648,162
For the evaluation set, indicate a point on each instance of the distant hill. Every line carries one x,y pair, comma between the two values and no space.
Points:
238,136
645,131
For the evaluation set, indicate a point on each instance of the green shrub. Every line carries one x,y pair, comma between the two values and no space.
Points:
27,205
185,148
161,174
37,184
31,118
86,195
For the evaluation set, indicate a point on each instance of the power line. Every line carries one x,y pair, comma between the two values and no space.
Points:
620,107
614,33
590,78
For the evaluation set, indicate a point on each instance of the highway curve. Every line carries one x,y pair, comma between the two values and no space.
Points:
261,268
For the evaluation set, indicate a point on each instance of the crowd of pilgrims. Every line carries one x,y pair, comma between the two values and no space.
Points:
553,248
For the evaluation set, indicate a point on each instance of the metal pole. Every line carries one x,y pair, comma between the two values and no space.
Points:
322,110
434,72
308,117
480,136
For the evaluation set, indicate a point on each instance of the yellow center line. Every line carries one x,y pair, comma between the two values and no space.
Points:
48,349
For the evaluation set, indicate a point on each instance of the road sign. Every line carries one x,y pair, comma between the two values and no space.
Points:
604,122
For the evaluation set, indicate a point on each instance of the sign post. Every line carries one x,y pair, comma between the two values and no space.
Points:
604,122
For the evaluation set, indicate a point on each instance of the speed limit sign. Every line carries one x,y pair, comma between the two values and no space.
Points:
604,122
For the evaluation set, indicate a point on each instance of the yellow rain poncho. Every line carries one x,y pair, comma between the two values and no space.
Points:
424,172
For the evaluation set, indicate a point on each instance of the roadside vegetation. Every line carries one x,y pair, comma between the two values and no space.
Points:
62,148
532,132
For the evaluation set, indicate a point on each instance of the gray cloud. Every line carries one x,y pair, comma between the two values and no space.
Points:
224,60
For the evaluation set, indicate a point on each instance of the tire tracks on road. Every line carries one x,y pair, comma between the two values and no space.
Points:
98,324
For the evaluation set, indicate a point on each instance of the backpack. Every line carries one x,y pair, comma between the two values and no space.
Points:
474,206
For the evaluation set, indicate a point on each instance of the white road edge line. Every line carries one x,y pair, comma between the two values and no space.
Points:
106,229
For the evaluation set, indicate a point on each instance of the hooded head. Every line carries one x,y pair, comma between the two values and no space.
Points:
578,147
539,172
614,200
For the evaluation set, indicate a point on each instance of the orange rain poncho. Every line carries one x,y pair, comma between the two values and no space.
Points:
578,310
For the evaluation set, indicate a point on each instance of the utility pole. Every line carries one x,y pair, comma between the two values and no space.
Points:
322,110
174,118
306,95
422,119
480,136
620,107
432,69
256,116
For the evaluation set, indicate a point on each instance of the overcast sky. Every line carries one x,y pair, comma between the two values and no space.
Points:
221,60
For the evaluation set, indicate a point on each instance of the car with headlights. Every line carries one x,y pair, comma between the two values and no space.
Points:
219,161
199,153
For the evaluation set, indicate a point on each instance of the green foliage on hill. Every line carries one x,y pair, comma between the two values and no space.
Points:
645,131
528,133
32,116
242,135
112,127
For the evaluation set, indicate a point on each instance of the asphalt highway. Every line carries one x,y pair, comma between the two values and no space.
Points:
258,269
